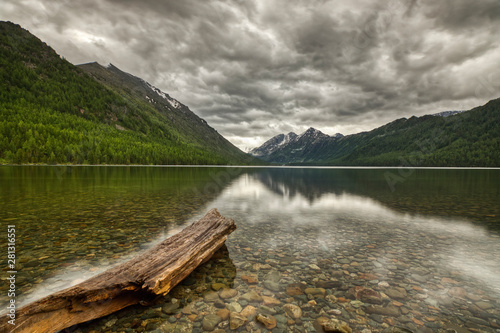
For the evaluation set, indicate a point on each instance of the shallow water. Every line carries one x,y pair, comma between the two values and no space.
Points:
374,248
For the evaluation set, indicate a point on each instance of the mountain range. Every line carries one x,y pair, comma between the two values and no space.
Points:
55,112
301,142
450,138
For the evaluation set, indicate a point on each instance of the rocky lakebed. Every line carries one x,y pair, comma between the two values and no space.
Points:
348,282
315,249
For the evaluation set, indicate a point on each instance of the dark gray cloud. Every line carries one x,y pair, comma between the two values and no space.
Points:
254,69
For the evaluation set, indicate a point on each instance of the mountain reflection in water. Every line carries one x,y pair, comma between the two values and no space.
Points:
337,243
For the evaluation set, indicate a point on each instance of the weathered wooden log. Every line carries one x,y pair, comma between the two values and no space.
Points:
154,272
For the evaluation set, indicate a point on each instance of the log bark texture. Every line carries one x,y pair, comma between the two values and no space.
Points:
154,272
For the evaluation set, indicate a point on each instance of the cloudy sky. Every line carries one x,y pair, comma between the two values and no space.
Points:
257,68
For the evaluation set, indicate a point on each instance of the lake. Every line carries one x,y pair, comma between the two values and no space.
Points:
374,248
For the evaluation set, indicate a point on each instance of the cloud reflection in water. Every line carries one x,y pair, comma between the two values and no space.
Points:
446,246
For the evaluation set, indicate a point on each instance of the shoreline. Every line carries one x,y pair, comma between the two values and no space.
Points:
256,166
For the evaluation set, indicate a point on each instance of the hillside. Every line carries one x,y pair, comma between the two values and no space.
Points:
464,139
273,144
54,112
137,91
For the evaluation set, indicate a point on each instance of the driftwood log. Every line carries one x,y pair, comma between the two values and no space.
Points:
154,272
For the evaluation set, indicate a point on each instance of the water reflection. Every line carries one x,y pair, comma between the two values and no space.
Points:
337,243
444,263
445,192
313,201
79,221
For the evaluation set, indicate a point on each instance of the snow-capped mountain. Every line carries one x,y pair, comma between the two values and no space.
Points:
173,102
446,113
183,124
311,135
292,144
273,144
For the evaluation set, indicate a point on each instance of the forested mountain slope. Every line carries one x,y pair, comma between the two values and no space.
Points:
54,112
463,139
173,113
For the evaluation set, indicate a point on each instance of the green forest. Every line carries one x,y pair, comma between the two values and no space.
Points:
467,139
53,112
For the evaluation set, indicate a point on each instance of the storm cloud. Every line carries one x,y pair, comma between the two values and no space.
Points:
254,69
